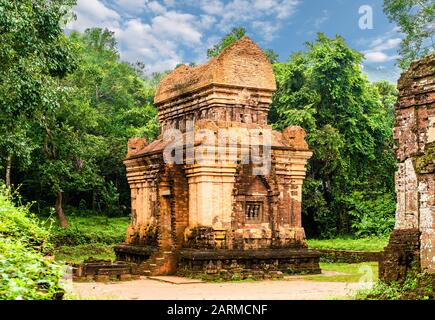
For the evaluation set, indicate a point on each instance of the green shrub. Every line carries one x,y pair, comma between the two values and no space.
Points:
25,272
416,286
373,213
16,222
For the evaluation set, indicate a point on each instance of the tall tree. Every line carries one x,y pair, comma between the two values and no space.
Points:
34,55
101,40
349,131
16,144
416,20
123,99
68,157
84,141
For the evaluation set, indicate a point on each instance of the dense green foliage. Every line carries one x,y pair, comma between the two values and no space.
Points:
35,54
89,236
349,186
67,106
88,228
25,272
415,20
81,144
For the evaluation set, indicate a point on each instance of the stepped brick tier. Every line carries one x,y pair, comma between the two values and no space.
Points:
412,242
219,212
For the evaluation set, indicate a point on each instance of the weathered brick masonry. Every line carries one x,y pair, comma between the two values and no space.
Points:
412,242
217,216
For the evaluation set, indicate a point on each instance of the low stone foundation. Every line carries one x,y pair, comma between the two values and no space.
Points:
259,264
349,256
400,255
104,271
134,261
134,253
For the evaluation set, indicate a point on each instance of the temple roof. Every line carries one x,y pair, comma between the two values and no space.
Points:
292,138
242,64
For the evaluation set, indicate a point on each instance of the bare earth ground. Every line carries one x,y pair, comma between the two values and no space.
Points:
182,289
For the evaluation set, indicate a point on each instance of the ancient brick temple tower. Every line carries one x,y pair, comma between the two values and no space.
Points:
412,243
218,216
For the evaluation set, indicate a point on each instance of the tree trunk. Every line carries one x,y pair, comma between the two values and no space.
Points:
59,211
94,199
8,170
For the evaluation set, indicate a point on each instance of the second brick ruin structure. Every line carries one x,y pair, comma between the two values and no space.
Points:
412,243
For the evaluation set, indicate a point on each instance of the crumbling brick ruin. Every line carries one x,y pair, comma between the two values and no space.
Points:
213,216
412,243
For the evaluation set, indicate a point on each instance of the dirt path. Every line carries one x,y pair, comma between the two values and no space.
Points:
296,289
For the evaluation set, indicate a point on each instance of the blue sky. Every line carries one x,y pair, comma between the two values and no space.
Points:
163,33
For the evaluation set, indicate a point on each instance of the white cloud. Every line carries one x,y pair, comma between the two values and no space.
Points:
378,56
159,32
264,4
131,5
254,12
382,44
382,73
93,13
156,7
135,7
206,21
266,29
382,48
213,7
169,3
138,41
322,19
159,42
286,8
177,26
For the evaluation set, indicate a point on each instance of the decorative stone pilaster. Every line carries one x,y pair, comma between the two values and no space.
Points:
210,197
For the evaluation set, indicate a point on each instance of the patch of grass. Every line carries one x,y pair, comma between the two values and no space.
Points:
362,244
80,253
90,229
352,272
89,235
